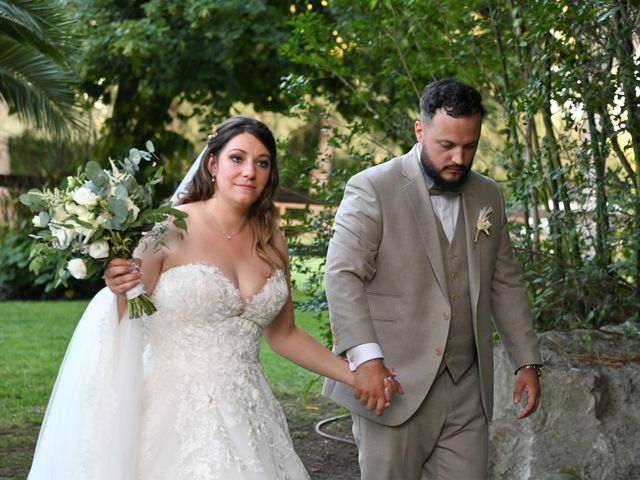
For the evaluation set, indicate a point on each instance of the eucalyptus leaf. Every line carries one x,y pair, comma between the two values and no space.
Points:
91,186
103,190
93,172
132,185
121,192
33,198
44,217
97,176
150,146
118,208
114,224
134,156
26,199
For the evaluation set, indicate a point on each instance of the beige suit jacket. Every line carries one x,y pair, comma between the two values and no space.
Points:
385,282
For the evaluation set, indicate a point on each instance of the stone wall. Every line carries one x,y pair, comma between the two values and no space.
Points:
588,423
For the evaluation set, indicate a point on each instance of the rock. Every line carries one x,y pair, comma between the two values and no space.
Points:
588,423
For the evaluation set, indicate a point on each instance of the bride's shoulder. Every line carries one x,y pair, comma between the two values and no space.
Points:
187,208
171,229
177,224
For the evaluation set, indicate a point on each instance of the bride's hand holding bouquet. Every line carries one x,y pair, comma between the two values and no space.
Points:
100,215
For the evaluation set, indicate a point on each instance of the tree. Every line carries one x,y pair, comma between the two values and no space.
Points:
561,82
146,58
35,80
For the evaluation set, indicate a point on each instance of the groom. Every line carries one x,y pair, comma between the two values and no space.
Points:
419,267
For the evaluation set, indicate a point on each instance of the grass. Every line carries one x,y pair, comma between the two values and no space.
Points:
284,376
35,335
33,339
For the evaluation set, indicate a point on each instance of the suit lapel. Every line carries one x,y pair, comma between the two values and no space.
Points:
418,198
471,209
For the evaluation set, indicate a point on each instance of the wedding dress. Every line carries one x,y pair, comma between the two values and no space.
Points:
176,395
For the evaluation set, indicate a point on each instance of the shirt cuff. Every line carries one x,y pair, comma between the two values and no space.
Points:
363,353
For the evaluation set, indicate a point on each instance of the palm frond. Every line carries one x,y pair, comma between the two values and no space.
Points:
17,21
37,88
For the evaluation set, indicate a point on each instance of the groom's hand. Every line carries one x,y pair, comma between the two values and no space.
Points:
370,387
527,381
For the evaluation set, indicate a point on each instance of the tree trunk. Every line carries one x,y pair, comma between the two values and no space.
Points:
512,121
603,250
120,123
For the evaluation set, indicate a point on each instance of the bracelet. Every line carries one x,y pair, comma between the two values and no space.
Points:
534,366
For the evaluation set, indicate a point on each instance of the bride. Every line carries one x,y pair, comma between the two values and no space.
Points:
181,394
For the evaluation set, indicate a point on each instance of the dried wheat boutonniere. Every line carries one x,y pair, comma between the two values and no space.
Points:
483,222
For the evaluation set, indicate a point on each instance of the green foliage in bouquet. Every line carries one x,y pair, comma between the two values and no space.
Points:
97,215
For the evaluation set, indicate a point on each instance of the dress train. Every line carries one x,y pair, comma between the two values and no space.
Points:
91,427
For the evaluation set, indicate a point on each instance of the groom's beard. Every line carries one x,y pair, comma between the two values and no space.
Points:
437,178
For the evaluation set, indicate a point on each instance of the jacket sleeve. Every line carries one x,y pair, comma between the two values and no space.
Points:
351,264
510,303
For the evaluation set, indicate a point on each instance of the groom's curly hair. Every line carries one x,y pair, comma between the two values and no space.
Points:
263,215
456,98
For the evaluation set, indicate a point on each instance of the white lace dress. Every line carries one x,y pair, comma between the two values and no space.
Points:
180,396
208,411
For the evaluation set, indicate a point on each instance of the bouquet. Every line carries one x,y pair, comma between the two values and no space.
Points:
97,215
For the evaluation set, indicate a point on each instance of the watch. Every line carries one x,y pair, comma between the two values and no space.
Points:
534,366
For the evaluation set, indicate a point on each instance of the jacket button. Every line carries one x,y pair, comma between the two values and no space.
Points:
438,351
446,316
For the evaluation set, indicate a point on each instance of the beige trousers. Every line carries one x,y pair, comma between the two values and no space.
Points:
446,439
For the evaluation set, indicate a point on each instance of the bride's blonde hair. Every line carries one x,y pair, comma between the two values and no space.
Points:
263,215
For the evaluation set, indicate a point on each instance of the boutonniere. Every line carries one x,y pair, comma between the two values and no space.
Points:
483,222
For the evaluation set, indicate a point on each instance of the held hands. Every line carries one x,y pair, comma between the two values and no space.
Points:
122,275
527,381
375,384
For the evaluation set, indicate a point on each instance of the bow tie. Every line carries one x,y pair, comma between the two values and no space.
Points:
438,190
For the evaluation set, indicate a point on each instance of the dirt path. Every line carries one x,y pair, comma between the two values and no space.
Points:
325,459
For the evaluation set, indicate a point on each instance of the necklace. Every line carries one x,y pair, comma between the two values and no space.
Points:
226,235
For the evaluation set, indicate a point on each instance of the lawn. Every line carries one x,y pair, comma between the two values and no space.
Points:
33,339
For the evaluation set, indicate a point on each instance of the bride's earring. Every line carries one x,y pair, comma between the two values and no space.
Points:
213,178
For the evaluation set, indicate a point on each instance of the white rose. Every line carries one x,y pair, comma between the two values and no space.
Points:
63,236
84,196
37,222
77,268
99,249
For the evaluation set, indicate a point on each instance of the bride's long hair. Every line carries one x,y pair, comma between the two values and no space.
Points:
263,215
